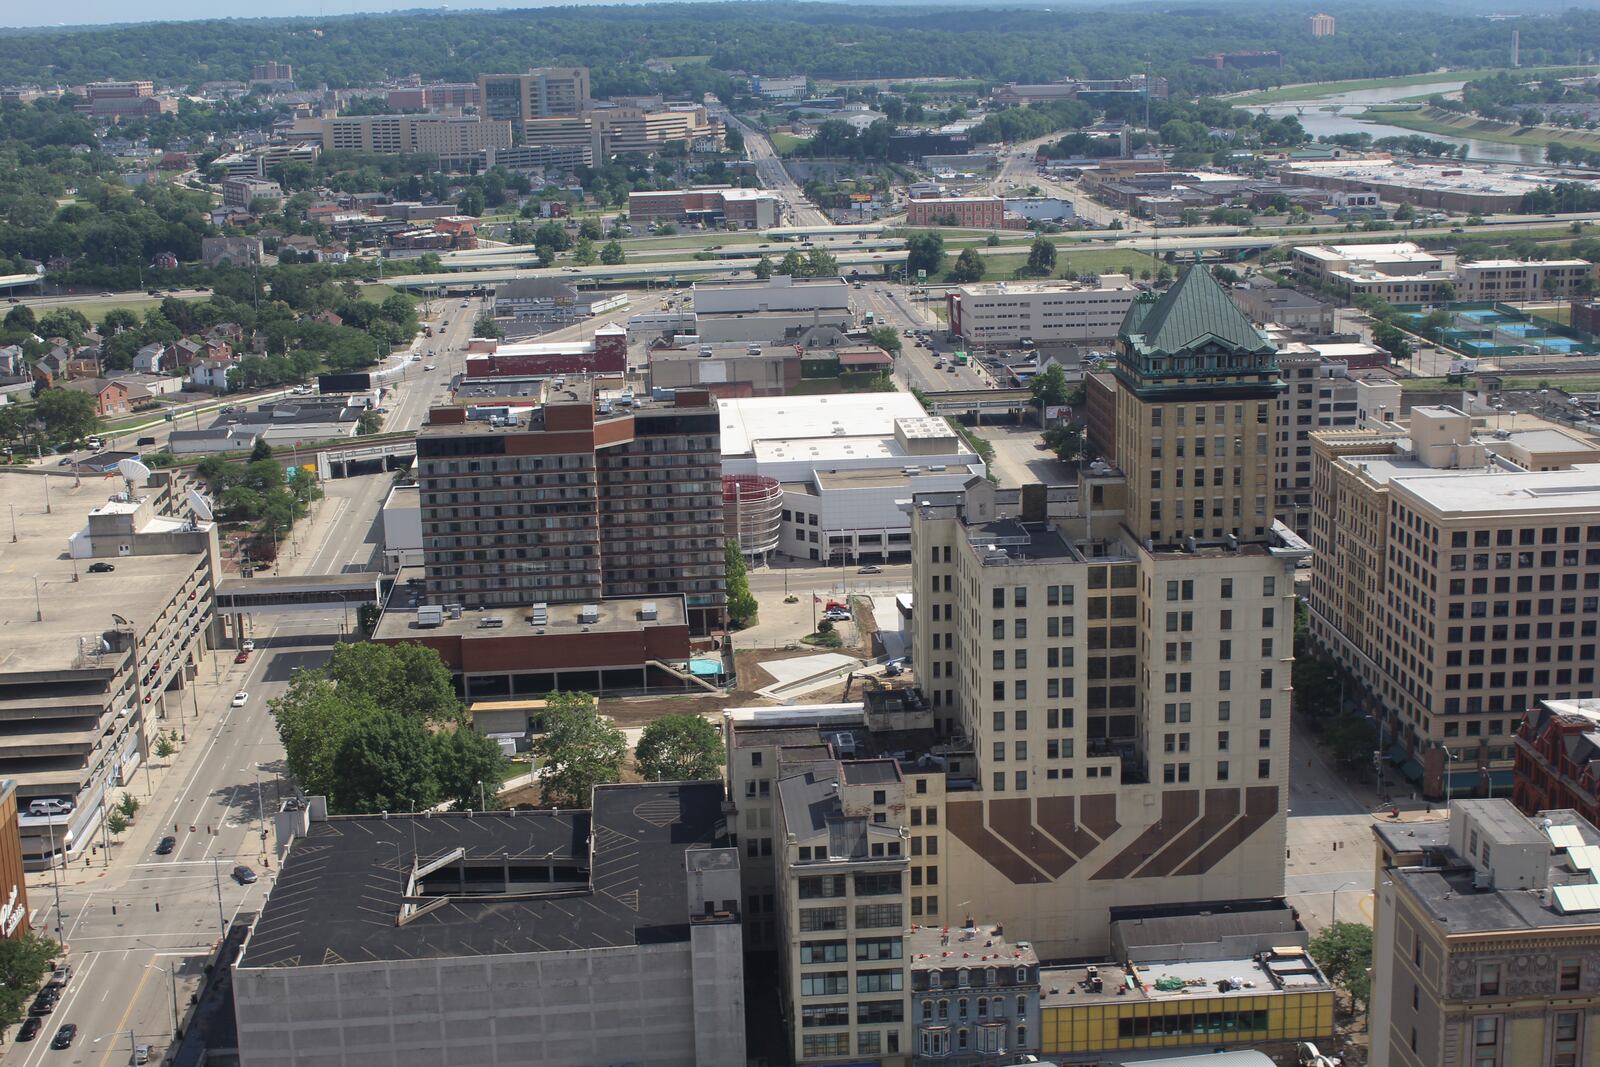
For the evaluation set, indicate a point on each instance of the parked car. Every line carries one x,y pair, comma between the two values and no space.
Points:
64,1036
102,568
50,806
249,644
244,875
240,699
145,441
30,1029
141,1054
242,657
166,846
44,1003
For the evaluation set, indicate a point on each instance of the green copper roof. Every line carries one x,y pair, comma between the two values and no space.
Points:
1194,310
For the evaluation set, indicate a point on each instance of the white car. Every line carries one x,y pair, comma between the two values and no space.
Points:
240,698
249,644
430,366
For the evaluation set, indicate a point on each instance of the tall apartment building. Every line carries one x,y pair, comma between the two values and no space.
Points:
1321,25
1485,946
574,501
538,93
1004,313
1456,577
114,101
1197,388
456,139
614,131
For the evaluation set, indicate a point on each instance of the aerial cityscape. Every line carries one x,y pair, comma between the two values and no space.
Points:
759,534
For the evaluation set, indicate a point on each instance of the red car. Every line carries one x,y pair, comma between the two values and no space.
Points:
242,657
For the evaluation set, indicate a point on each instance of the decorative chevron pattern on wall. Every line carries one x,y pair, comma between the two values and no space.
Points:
1034,840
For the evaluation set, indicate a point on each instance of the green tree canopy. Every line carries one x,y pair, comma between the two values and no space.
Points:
24,961
578,750
679,748
886,338
611,253
462,758
1049,387
1042,257
924,252
407,678
969,267
1344,952
383,763
742,605
66,415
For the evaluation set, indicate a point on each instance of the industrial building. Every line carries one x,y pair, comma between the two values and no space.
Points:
96,663
1454,579
1406,273
811,312
1467,188
605,935
606,353
969,212
997,314
1484,940
844,463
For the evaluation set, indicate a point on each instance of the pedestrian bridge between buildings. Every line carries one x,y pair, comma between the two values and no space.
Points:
295,594
978,401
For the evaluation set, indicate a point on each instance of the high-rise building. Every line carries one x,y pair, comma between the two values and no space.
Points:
539,93
1321,25
1317,395
1456,578
575,500
1485,947
455,139
1197,389
272,72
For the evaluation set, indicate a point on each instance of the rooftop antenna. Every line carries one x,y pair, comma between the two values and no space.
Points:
132,471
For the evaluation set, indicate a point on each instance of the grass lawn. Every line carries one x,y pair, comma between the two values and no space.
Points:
96,311
1580,384
784,143
1448,123
699,241
1317,90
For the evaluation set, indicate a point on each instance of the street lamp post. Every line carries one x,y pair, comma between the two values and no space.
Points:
1335,920
173,978
483,803
1450,758
55,878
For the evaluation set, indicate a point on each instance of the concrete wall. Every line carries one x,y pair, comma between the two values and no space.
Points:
597,1006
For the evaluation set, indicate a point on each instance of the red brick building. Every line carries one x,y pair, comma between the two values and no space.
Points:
1558,758
969,212
748,208
606,354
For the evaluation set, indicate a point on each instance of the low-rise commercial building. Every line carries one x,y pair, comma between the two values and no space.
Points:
614,131
115,101
606,353
1405,273
845,461
294,421
1287,307
969,212
1445,186
750,209
538,937
550,302
96,662
238,194
1456,577
1011,313
1485,948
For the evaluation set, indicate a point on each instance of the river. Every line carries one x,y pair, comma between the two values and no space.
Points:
1320,119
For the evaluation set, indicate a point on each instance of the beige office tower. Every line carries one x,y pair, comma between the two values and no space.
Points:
1197,391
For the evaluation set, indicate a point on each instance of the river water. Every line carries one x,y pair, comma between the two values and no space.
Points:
1337,113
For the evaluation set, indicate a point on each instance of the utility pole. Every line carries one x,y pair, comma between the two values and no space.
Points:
55,878
216,871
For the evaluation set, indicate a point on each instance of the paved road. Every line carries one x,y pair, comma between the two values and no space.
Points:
773,175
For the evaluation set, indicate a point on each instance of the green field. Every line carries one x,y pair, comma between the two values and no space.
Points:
1316,90
784,143
96,311
1450,124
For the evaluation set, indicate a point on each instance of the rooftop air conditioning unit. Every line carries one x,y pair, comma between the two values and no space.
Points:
647,611
589,613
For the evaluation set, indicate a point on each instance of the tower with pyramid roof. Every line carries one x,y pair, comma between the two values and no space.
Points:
1197,384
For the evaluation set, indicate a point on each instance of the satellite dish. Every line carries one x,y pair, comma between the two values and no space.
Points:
201,506
133,470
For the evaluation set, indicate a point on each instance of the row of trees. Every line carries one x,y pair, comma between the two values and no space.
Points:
381,729
259,490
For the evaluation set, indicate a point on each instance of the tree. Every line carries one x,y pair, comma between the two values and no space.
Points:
583,253
407,678
611,253
793,265
116,823
22,317
24,961
578,750
128,804
886,338
164,747
554,234
368,422
262,450
969,267
1049,386
66,415
471,202
462,758
924,252
117,320
763,267
1042,257
589,229
383,763
742,606
1065,440
486,326
1344,952
679,748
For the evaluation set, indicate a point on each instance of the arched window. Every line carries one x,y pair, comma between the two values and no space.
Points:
1022,1037
961,1039
927,1010
944,1009
961,1008
933,979
1022,1007
1022,976
983,1007
963,978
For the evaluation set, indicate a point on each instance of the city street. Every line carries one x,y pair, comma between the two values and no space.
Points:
770,169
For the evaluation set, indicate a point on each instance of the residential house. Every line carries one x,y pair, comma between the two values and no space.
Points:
155,384
231,332
84,363
12,361
153,359
218,349
331,317
110,397
210,374
188,352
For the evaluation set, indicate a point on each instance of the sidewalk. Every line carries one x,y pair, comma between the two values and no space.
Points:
155,780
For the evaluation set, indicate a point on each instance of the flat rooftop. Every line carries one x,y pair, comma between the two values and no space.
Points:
617,880
822,450
1499,491
930,947
1466,178
1291,971
1022,541
615,614
1399,252
1109,283
748,420
78,610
